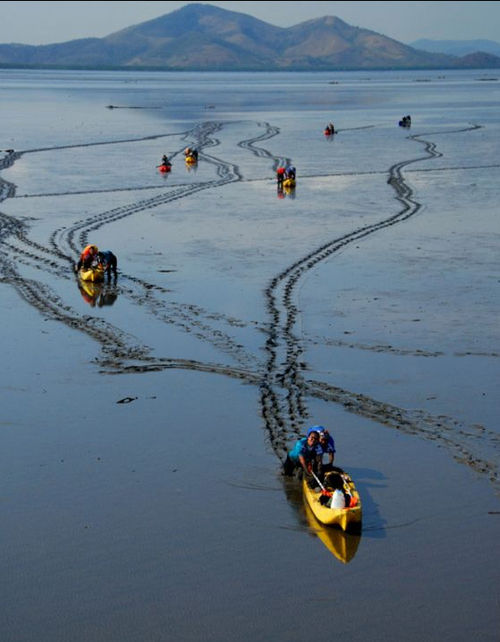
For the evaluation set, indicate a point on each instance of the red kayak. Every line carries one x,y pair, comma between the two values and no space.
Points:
165,168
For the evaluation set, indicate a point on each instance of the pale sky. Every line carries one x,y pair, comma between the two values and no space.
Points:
36,23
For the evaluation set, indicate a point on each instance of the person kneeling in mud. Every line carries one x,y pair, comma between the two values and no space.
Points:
109,262
302,459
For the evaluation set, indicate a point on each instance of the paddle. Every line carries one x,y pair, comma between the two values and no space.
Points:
325,494
324,491
319,483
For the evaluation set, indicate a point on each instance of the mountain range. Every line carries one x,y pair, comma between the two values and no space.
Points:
203,37
458,47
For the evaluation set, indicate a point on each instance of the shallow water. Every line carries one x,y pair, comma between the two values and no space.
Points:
143,422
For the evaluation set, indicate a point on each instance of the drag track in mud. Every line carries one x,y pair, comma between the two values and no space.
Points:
279,376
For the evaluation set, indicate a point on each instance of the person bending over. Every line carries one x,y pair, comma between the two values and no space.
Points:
302,459
109,262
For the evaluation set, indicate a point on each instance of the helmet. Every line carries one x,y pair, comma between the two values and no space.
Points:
90,249
313,429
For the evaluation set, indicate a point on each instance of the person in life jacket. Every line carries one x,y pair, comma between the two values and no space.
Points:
325,450
280,175
108,261
165,161
191,151
304,456
87,257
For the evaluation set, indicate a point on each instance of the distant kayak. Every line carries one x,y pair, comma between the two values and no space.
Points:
289,183
341,506
164,168
191,159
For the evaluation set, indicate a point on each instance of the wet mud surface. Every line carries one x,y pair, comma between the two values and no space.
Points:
280,375
144,419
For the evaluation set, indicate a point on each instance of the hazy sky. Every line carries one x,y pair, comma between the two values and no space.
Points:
49,22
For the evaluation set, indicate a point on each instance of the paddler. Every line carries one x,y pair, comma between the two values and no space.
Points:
109,262
303,457
87,256
325,450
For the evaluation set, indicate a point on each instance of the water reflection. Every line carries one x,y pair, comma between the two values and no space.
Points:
343,545
98,294
285,190
374,524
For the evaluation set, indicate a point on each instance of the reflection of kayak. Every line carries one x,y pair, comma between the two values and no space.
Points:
289,182
342,545
94,274
97,293
164,168
90,291
191,160
348,518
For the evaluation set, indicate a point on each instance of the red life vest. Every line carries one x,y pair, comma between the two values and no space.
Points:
90,250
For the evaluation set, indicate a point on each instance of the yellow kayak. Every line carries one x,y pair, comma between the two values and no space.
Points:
289,182
94,274
339,484
191,160
343,545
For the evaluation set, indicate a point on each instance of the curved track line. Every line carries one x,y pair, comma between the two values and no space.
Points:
284,367
281,384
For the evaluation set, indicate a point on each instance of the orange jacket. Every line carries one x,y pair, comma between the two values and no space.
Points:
88,251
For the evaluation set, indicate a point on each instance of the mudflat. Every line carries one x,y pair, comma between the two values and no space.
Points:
144,419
